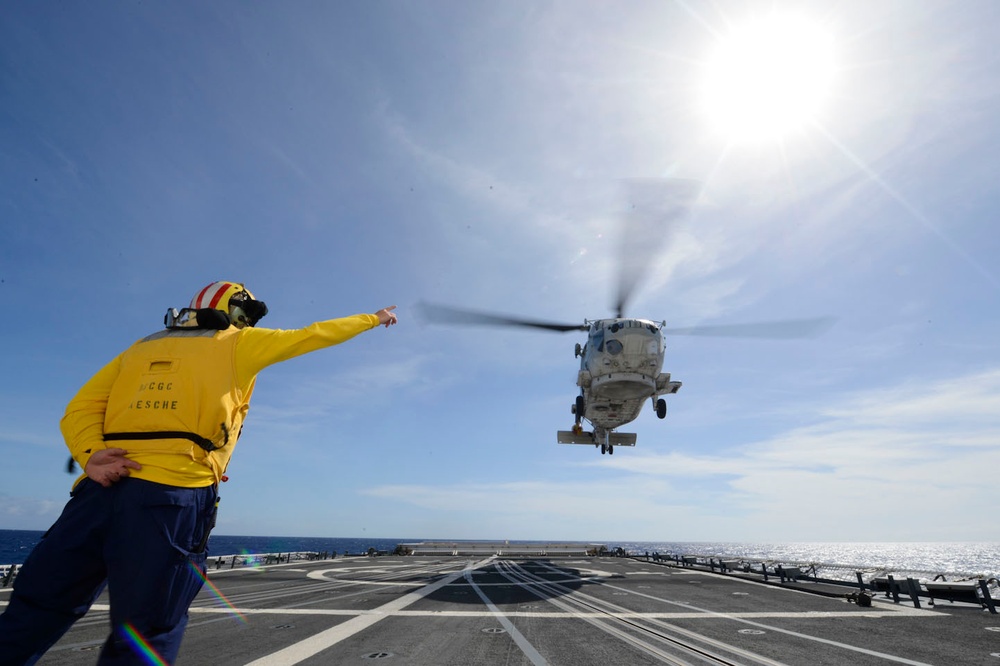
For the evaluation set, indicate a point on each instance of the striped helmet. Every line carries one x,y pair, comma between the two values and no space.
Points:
232,298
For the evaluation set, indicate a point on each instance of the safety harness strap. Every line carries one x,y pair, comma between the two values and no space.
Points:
163,434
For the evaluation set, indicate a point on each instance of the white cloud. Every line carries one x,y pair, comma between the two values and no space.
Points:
949,403
27,513
302,398
610,508
583,215
892,464
41,439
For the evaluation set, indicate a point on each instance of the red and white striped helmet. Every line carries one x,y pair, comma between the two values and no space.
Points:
232,298
216,295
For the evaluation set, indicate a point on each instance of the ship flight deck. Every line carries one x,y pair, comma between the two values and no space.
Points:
560,610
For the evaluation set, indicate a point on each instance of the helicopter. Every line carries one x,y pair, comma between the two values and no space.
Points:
621,362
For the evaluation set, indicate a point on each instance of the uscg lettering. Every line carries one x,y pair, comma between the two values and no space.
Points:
156,386
158,403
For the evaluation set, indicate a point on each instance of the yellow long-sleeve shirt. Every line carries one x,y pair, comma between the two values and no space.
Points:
83,425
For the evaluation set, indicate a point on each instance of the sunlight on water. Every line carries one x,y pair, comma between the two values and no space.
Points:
956,558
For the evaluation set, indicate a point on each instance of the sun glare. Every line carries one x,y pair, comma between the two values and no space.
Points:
768,79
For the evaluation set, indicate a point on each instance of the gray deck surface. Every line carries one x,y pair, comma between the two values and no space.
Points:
572,611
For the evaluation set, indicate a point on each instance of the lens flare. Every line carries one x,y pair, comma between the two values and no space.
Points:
218,594
252,561
141,646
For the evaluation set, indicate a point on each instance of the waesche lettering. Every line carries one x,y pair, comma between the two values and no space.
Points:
145,387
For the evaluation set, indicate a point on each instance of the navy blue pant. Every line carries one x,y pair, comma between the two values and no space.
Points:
145,541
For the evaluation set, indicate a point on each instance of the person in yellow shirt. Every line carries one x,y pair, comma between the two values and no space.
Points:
153,432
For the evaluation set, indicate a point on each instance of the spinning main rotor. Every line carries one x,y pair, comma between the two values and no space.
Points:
656,208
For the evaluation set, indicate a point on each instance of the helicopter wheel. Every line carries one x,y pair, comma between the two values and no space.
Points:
611,450
579,408
604,449
661,408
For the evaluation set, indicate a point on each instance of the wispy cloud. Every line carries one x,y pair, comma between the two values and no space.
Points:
304,398
609,508
40,439
584,215
895,460
466,178
26,513
906,462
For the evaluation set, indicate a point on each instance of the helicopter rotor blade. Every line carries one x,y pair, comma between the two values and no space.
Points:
655,208
443,314
788,329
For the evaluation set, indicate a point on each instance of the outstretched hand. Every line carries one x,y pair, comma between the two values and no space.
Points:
108,466
386,316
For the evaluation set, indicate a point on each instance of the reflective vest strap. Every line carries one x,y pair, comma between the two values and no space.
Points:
165,434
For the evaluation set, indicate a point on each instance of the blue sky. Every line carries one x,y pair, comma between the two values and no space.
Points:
341,157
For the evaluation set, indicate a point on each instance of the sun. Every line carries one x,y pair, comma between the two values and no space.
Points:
768,79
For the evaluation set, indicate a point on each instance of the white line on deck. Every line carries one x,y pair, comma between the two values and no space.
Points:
527,648
381,612
768,627
313,645
700,615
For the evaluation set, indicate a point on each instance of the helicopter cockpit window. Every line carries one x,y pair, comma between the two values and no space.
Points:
614,347
597,340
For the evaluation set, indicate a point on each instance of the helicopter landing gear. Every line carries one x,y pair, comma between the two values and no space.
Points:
606,448
579,409
661,408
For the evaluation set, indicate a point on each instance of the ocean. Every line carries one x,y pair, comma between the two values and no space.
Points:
16,544
968,558
981,559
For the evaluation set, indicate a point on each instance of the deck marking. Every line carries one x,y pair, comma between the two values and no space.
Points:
616,614
313,645
527,648
825,641
694,615
662,615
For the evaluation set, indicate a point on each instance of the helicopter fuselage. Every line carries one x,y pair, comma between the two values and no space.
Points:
620,368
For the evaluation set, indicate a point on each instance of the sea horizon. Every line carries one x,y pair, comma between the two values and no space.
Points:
945,557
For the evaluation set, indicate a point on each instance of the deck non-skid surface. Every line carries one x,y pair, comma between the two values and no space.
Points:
440,611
